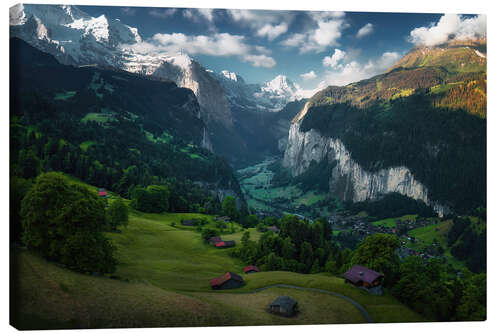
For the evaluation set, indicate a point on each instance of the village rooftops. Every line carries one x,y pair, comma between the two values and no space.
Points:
359,274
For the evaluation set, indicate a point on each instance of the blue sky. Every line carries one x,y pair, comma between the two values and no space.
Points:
311,48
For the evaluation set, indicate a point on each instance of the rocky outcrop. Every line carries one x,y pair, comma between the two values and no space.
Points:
190,74
348,180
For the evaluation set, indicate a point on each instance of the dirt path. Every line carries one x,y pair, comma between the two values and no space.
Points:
323,291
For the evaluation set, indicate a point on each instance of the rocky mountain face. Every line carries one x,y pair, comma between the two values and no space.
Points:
332,126
349,181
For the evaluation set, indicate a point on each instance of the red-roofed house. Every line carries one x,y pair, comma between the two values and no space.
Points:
228,280
214,240
251,269
224,244
363,277
102,193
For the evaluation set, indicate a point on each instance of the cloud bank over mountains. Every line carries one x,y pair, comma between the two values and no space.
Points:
449,27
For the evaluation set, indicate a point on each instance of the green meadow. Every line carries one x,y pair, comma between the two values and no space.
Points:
162,279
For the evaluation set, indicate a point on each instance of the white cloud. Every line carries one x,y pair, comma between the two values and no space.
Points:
219,44
260,60
265,23
162,13
333,60
449,27
294,40
326,33
365,30
222,44
196,13
272,31
129,11
308,76
207,13
354,71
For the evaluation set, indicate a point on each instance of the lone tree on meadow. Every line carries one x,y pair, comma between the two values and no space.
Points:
117,214
229,208
64,222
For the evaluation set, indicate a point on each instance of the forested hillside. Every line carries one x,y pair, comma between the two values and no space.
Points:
110,128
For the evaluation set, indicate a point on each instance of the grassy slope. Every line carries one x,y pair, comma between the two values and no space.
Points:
391,222
168,269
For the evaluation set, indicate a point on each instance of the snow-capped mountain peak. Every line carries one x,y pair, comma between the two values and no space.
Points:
229,75
280,85
96,26
70,34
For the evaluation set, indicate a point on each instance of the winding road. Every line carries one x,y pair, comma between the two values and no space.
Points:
323,291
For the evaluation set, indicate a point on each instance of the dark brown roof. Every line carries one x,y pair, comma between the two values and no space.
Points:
361,273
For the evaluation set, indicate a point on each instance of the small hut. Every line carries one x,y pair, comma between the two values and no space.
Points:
228,280
273,228
102,193
284,306
214,240
251,269
362,276
188,223
225,244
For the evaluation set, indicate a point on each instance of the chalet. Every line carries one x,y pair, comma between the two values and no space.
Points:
363,277
225,244
214,240
251,269
189,223
273,228
284,306
228,280
102,193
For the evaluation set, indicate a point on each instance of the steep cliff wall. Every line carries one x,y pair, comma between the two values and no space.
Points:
349,181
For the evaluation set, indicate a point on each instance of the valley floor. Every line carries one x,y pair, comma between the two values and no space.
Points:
163,280
262,196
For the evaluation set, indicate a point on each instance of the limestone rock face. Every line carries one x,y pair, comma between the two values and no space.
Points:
349,181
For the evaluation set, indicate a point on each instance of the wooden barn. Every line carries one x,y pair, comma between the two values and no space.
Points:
214,240
284,306
223,218
188,223
228,280
102,193
362,276
273,228
251,269
225,244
